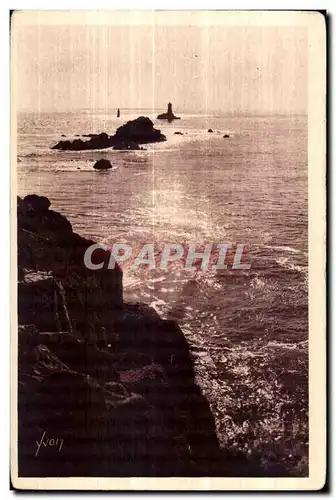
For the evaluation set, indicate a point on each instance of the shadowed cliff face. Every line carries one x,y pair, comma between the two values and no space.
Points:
49,250
105,388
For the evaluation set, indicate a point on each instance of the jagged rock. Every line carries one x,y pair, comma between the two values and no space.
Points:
100,141
64,145
40,304
82,357
139,131
47,362
102,164
107,428
78,144
169,115
34,215
91,296
35,203
97,141
56,339
134,132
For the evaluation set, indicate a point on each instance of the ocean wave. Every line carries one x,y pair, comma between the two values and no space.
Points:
283,249
303,345
287,264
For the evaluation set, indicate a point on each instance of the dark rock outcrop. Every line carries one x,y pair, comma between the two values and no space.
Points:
210,130
112,382
34,216
96,141
169,115
34,203
178,133
140,131
226,136
102,164
48,245
128,136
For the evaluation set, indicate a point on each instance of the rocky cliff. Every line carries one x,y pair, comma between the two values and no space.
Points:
105,388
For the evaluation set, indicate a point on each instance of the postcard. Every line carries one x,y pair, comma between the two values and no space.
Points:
168,214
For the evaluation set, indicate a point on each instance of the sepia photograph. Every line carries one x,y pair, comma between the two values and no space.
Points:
167,322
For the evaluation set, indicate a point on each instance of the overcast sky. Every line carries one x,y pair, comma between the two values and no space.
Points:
200,69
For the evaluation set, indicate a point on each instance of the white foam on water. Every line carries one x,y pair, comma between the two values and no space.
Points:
287,264
282,249
158,305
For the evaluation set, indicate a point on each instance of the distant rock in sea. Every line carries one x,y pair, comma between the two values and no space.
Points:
97,141
128,136
178,133
102,164
141,131
169,115
226,136
210,130
34,215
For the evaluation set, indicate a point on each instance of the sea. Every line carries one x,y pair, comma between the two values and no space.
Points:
247,329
